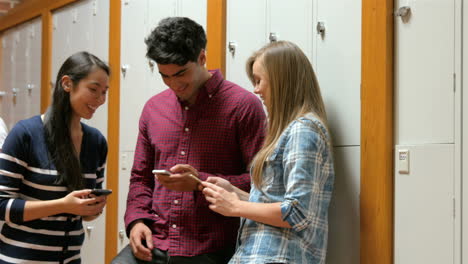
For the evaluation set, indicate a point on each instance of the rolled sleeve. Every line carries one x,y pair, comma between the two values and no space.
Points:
294,214
308,177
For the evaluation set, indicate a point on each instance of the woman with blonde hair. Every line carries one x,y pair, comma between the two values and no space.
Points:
285,215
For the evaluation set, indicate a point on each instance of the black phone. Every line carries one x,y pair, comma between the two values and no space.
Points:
99,192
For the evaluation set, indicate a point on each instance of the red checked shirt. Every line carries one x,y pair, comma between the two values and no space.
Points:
218,135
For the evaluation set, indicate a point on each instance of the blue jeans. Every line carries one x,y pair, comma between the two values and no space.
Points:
162,257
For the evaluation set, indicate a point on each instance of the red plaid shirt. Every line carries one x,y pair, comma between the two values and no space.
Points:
218,135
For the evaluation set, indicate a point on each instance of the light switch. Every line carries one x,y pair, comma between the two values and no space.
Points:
403,161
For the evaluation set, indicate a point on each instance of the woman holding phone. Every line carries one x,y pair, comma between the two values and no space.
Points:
285,215
48,167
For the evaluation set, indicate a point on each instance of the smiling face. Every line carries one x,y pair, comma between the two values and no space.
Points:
88,94
261,81
185,80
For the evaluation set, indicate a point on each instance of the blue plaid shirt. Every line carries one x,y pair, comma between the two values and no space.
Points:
300,175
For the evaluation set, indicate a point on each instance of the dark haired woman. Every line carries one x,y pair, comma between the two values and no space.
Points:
48,166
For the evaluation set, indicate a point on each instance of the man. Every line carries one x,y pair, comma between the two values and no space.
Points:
201,126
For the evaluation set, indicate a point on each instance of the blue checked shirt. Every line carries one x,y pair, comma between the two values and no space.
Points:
300,175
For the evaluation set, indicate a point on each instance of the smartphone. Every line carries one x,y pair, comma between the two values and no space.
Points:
99,192
163,172
167,173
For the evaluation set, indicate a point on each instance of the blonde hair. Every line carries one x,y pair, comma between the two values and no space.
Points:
294,92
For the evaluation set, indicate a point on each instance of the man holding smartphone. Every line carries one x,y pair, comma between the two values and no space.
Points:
201,126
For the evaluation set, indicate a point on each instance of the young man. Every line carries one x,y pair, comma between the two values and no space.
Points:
201,126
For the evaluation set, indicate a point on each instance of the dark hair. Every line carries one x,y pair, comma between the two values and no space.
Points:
58,117
176,40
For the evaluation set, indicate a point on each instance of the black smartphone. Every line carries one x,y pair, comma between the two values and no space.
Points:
99,192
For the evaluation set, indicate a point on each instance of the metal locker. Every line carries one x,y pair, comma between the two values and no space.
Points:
424,204
344,212
291,21
243,14
424,72
337,63
134,73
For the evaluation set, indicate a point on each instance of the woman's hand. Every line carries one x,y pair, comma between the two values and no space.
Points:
223,183
221,201
81,203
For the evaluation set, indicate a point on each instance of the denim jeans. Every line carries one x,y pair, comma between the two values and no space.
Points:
162,257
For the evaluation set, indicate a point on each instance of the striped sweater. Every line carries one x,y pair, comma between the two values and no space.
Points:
26,174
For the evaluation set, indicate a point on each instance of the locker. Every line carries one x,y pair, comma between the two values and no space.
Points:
424,205
134,75
19,69
344,220
337,63
424,74
126,162
241,44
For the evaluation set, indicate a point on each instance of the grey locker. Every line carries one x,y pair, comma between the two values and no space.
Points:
344,219
424,73
337,63
424,205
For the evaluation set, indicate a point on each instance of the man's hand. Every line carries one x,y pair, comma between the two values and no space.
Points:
139,233
181,178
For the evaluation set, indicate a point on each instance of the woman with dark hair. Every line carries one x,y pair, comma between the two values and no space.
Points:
48,167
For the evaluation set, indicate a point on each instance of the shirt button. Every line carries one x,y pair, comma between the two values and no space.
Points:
187,129
186,108
156,215
209,95
182,153
176,201
174,226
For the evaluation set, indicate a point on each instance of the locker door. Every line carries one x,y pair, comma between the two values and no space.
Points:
33,62
338,66
344,219
61,41
159,9
34,94
7,80
126,163
424,72
194,9
291,21
18,60
243,15
134,77
424,200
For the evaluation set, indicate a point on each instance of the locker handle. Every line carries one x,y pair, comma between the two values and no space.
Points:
30,87
404,13
15,92
121,235
273,37
232,45
321,28
124,69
